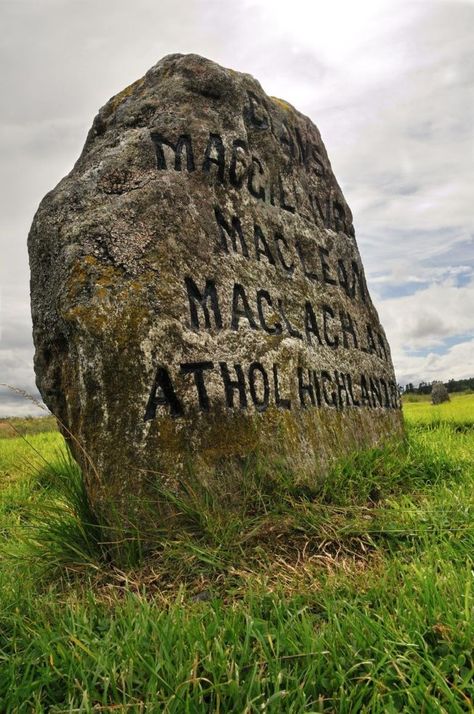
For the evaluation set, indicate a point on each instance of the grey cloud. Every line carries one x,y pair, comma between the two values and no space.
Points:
391,92
16,374
17,404
17,337
428,326
16,367
425,254
67,58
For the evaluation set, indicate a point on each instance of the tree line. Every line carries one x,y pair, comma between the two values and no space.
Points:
452,385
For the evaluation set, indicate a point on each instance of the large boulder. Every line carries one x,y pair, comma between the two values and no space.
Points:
439,393
198,296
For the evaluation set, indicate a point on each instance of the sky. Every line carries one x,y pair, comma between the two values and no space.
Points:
389,84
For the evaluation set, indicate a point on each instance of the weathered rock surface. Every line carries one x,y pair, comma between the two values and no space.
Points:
439,393
198,294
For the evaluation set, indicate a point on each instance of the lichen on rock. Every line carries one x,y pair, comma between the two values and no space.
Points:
198,294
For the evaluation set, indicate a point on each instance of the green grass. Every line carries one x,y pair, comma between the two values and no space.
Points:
356,596
459,411
23,426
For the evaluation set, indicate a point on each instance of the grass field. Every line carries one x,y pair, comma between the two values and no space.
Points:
459,411
355,597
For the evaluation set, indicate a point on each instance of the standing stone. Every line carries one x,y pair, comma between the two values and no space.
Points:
439,393
198,296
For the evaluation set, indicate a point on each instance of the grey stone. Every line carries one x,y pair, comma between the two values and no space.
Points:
439,393
198,296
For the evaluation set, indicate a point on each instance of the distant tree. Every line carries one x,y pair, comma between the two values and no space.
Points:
460,385
439,393
424,388
453,385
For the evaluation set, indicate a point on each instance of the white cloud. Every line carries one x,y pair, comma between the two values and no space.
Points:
456,363
430,316
400,274
432,319
388,82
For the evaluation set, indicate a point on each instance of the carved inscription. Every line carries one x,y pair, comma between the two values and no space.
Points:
315,324
320,324
333,313
314,261
229,162
259,385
